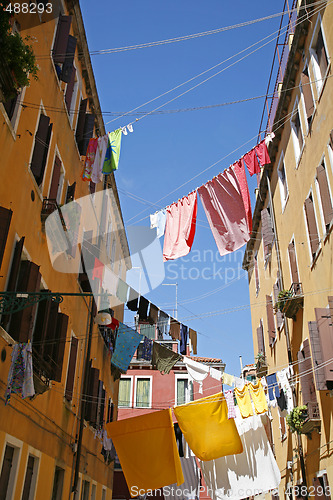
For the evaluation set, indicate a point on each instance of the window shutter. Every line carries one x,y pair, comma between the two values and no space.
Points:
110,411
59,345
55,179
268,429
71,369
50,336
308,99
93,385
260,339
293,262
325,195
267,230
61,38
81,120
317,356
330,305
278,314
92,187
270,320
87,133
69,91
283,427
5,218
101,405
14,271
321,54
41,143
325,329
256,273
67,68
306,374
312,225
41,326
70,192
331,139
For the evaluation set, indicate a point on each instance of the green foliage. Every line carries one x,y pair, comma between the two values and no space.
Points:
296,418
283,297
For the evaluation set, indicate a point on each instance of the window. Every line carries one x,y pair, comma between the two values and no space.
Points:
30,478
267,232
321,486
103,497
5,219
307,95
125,392
324,196
13,108
71,369
297,133
8,470
91,413
143,391
57,181
311,225
58,483
41,148
64,49
110,411
256,272
293,264
184,391
321,338
93,492
85,490
319,56
306,374
283,183
260,338
278,313
270,320
84,127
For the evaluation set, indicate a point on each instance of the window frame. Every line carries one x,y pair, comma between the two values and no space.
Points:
184,376
313,257
284,190
130,377
143,377
318,77
33,486
297,149
320,201
13,475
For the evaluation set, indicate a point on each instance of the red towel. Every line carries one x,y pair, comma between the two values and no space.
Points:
262,152
251,161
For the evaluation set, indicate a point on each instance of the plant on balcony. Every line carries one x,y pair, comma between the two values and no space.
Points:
17,58
288,303
296,418
261,365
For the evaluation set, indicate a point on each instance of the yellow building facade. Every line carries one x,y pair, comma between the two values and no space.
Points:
44,133
291,249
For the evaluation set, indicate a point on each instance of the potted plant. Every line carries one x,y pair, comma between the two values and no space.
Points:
288,303
261,365
296,418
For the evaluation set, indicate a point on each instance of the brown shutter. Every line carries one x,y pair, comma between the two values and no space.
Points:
330,305
270,320
70,192
312,225
61,38
41,326
100,405
325,195
331,139
5,218
256,272
267,230
87,133
306,374
59,346
278,313
308,99
91,407
260,338
283,426
50,337
317,356
67,68
69,91
21,323
28,478
325,329
14,270
81,120
55,179
41,143
71,369
293,262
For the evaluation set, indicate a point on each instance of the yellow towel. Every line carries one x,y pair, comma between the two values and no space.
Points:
206,428
244,401
147,451
258,397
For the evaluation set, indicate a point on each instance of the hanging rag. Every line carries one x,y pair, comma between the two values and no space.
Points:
229,397
174,329
193,338
239,170
258,397
122,290
197,371
179,439
147,349
136,440
153,314
281,401
110,281
163,324
262,153
228,379
215,374
127,342
98,270
251,161
253,471
180,227
96,174
133,297
158,220
143,308
223,204
244,401
164,359
20,375
112,153
90,158
190,489
273,387
283,377
183,339
206,427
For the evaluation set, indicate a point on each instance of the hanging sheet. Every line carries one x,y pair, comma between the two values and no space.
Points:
112,153
239,170
126,344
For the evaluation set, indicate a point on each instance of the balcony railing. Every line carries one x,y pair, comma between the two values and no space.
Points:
295,302
312,422
49,206
42,372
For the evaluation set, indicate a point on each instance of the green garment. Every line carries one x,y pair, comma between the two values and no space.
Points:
112,152
164,359
122,290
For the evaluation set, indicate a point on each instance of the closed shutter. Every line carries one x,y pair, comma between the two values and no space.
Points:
331,139
5,218
59,345
21,323
278,313
308,99
69,91
93,385
312,225
55,179
41,144
293,262
260,339
330,305
306,374
283,427
81,120
270,320
67,68
317,356
13,276
267,231
87,133
101,404
325,329
41,325
61,39
70,192
50,337
71,369
325,195
6,469
28,478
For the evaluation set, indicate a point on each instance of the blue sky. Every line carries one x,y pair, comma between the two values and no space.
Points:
166,151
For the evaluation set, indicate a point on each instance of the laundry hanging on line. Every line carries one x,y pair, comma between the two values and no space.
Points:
102,156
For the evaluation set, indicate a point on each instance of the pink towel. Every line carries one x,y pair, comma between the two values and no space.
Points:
225,211
180,227
262,152
239,170
251,161
229,397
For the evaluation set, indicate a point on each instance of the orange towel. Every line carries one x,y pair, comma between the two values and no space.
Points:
244,401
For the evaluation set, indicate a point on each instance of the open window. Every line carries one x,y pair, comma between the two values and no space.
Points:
312,227
319,56
41,148
283,185
297,132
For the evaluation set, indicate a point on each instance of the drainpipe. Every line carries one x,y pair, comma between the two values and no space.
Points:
285,322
